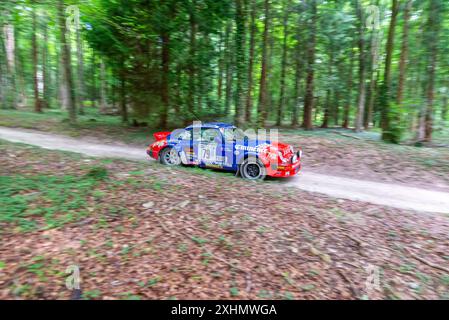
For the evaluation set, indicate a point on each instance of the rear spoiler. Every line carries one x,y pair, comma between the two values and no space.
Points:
161,135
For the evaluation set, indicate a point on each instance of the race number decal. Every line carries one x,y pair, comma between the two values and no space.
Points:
207,152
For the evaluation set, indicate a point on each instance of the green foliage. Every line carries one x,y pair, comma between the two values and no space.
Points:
98,173
31,202
396,124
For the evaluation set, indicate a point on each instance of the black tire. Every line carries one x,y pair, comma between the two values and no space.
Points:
170,157
253,169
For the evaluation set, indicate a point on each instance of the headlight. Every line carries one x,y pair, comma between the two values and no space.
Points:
294,158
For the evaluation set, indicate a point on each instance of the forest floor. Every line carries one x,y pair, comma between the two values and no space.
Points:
137,231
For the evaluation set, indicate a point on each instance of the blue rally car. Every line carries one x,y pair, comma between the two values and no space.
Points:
224,146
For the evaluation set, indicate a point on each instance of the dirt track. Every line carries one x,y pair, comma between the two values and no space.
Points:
386,194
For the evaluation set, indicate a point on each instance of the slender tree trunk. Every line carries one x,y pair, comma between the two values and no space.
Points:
386,86
298,72
10,95
220,69
263,94
336,114
66,64
191,70
240,63
165,94
349,85
445,108
103,103
46,80
433,30
362,69
229,69
375,43
404,52
328,91
309,98
281,105
252,45
37,99
123,100
326,110
93,77
80,58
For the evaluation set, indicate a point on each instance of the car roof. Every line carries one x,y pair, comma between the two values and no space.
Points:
212,125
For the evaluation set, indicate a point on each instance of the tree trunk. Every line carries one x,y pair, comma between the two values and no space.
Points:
165,94
229,69
263,94
433,29
123,101
37,99
386,86
66,64
191,70
80,58
281,105
220,68
326,110
93,77
298,72
404,52
349,85
309,98
10,93
240,63
103,103
328,91
375,44
46,80
362,70
252,45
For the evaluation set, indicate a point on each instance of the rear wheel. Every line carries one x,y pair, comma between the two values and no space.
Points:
170,157
253,169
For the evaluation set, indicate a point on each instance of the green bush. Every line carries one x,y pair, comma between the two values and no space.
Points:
98,173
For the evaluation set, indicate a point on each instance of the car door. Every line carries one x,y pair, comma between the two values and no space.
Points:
208,149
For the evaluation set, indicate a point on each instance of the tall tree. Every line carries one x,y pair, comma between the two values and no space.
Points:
37,99
252,47
80,59
46,74
349,85
263,90
362,68
192,57
281,105
240,62
404,52
433,28
66,63
229,67
10,94
298,67
309,98
385,95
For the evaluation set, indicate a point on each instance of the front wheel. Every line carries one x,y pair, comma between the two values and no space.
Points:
170,157
253,169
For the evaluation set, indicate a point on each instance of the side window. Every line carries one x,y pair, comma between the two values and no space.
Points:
186,135
210,135
229,135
